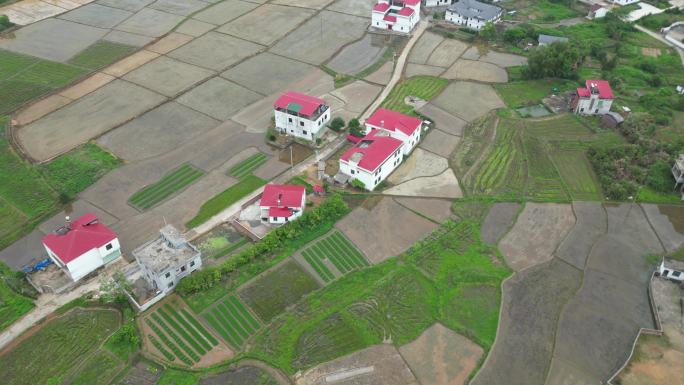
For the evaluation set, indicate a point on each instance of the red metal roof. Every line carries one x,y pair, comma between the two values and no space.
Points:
86,233
411,2
303,104
605,92
318,188
406,11
374,150
353,139
583,93
282,195
380,7
390,18
392,121
279,212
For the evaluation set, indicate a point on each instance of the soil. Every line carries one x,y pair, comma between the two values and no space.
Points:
299,153
536,234
438,210
239,376
385,231
440,143
441,356
420,163
476,70
468,100
498,221
375,365
591,224
141,374
652,52
444,185
668,222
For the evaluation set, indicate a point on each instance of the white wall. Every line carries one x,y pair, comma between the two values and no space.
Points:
371,180
593,106
472,23
403,24
625,2
175,274
301,127
85,264
435,3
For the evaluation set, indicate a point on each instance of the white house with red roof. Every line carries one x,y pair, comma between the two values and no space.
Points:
594,99
281,203
372,159
397,125
396,15
82,246
301,115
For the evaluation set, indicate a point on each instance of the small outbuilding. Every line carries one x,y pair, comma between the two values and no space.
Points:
611,119
597,11
82,246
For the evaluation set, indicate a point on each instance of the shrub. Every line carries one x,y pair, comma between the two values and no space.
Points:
355,128
358,184
659,177
337,124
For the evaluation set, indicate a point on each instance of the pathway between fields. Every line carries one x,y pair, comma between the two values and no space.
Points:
661,38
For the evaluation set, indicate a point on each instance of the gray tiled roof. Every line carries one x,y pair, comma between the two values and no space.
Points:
475,9
547,39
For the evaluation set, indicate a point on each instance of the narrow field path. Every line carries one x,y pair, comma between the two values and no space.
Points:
657,36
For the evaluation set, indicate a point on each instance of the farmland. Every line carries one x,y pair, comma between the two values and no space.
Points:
98,369
226,198
248,165
13,305
166,186
424,87
101,54
23,78
232,320
522,93
51,354
338,251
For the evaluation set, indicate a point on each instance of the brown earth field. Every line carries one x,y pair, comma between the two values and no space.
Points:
441,356
498,221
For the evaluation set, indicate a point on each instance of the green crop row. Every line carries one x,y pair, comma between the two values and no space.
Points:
223,327
165,187
197,343
338,251
155,342
200,327
233,321
248,165
319,267
175,337
174,348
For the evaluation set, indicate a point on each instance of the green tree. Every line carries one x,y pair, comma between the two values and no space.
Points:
355,128
557,60
337,124
659,177
488,32
514,35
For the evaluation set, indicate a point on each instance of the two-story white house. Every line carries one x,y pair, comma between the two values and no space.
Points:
397,125
436,3
594,99
82,247
301,115
625,2
396,15
281,203
372,159
473,14
167,259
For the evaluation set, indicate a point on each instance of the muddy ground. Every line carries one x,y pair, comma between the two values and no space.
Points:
499,219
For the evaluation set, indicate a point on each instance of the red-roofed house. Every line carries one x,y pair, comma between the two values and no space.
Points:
301,115
281,203
83,246
397,125
594,99
396,15
372,159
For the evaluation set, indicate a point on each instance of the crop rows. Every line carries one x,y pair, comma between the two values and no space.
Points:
544,181
248,165
424,87
330,338
174,348
155,342
165,187
199,344
199,327
336,249
231,319
176,338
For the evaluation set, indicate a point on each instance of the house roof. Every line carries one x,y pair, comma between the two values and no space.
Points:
393,121
282,195
279,212
85,233
603,88
300,103
372,150
381,7
411,2
583,92
318,188
353,139
548,39
474,8
615,116
406,11
390,18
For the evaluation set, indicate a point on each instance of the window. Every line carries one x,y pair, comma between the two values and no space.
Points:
301,124
305,133
289,120
167,275
352,171
183,268
192,263
109,246
170,284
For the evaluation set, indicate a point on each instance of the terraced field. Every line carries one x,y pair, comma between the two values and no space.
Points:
178,335
101,54
165,187
544,182
337,250
424,87
248,165
232,320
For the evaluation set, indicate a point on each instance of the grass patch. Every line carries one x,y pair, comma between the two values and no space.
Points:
13,305
52,354
544,182
99,369
339,78
247,166
223,200
647,194
524,93
178,377
424,87
271,293
577,174
23,78
171,183
100,54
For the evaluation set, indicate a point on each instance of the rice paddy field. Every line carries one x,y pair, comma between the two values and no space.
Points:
424,87
231,319
179,336
334,249
247,166
170,184
100,54
539,159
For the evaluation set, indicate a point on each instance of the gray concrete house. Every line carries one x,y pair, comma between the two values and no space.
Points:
472,14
